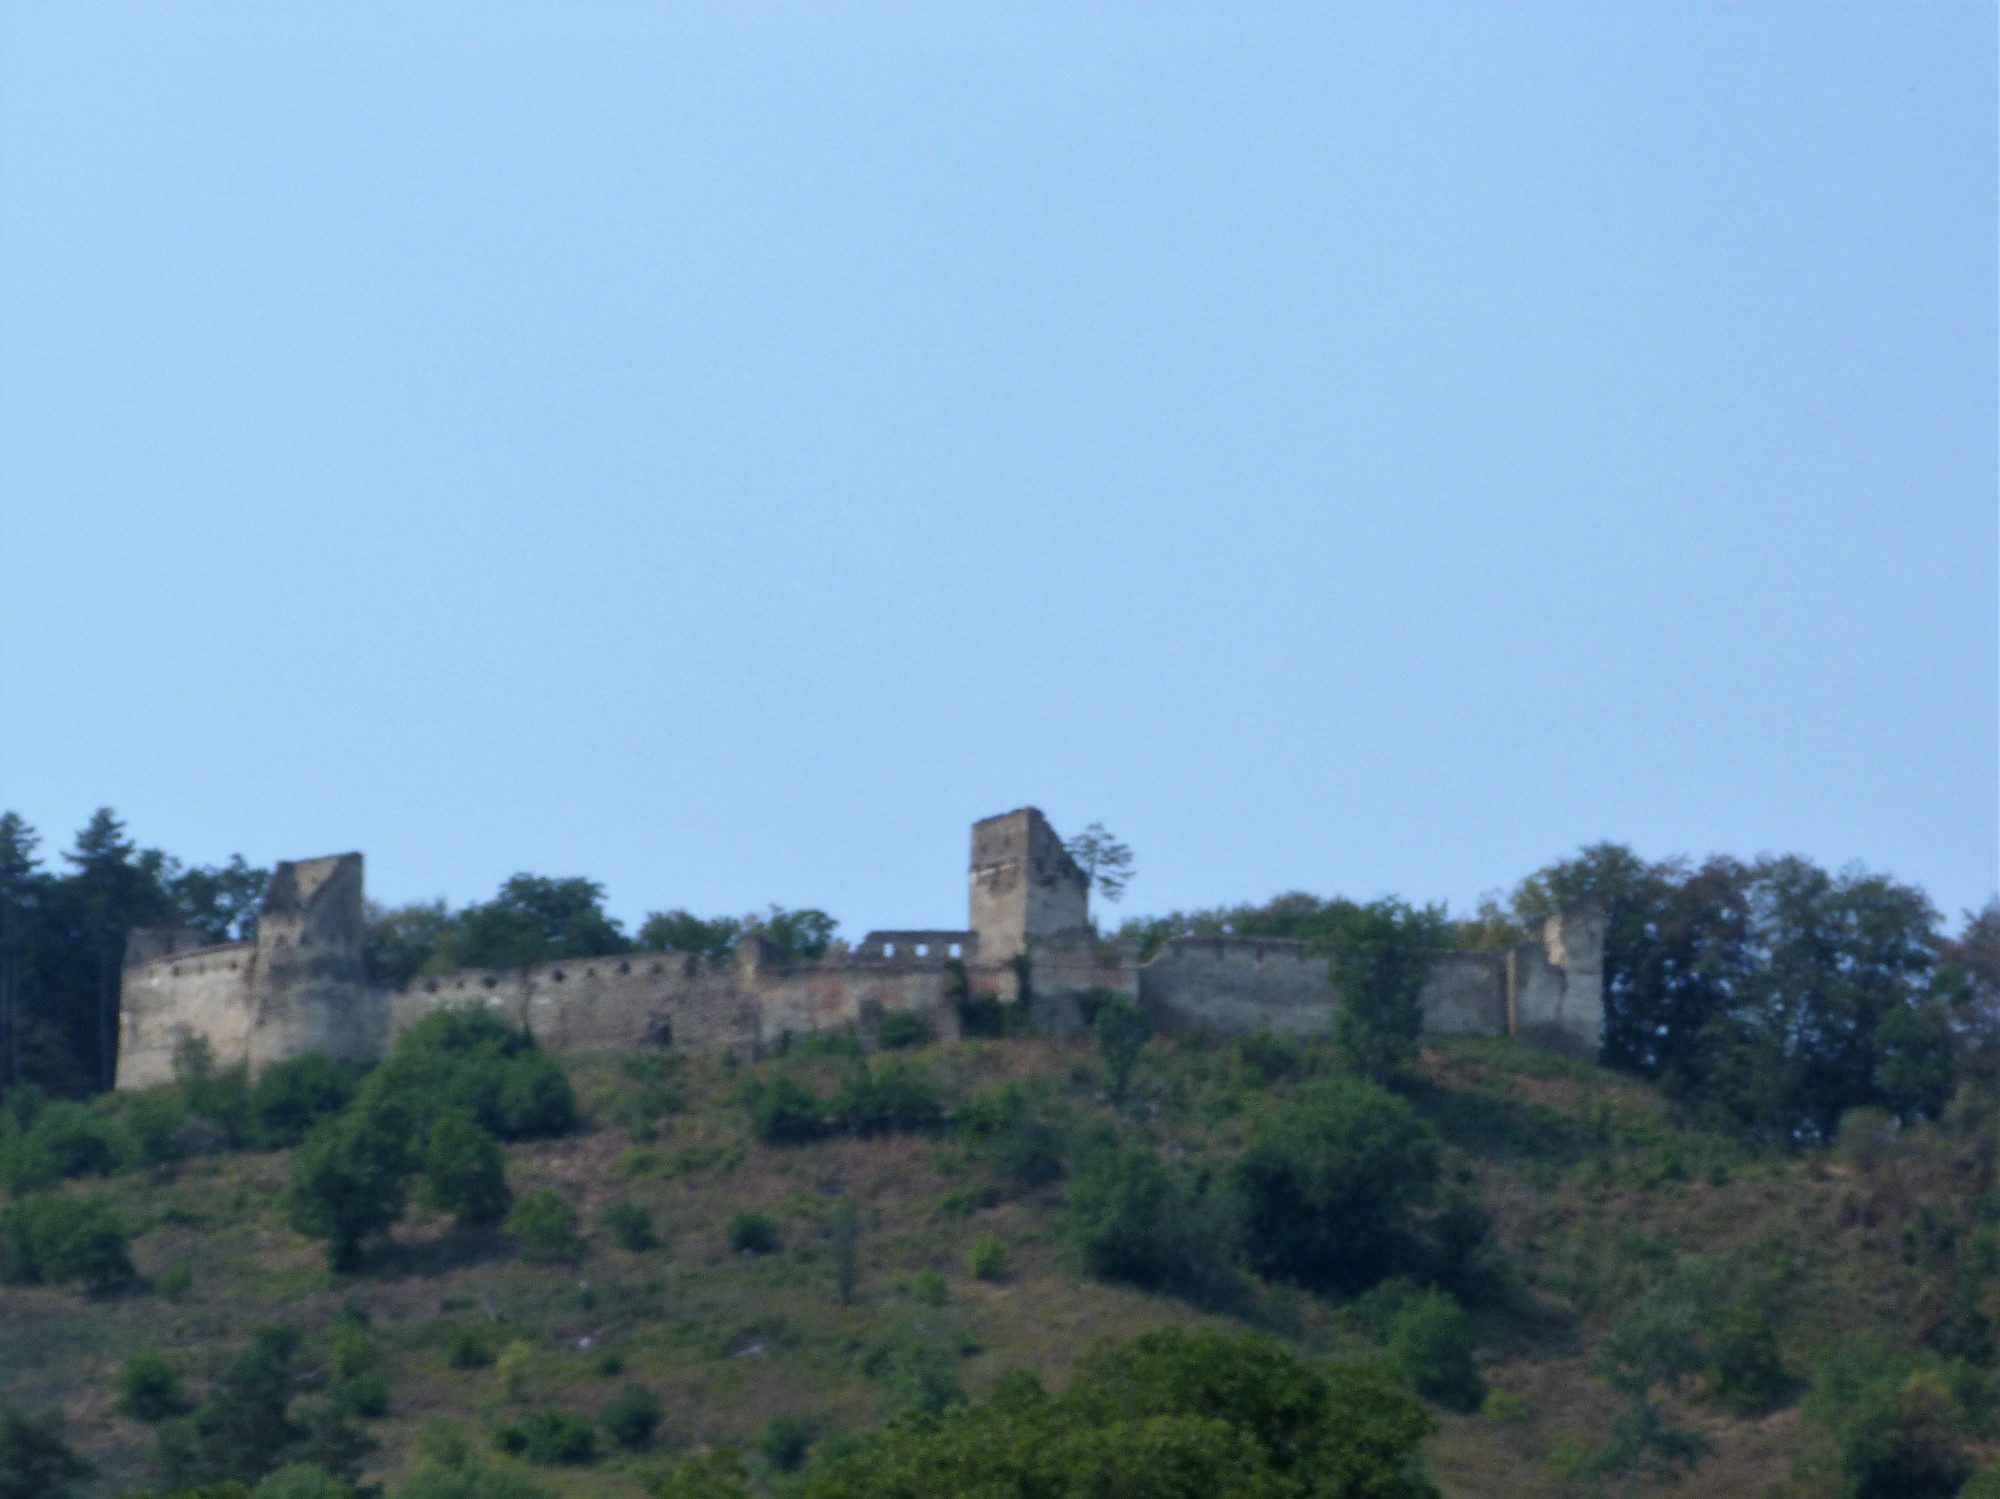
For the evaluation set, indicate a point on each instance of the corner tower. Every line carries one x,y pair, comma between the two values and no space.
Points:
309,989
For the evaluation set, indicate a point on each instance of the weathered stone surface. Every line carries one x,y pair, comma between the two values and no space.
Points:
302,985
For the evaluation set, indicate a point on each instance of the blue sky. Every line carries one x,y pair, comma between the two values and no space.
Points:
723,451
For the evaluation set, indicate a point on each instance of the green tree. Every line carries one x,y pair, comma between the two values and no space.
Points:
20,900
350,1178
1134,1218
1378,958
1106,863
465,1173
115,888
1331,1182
242,1429
35,1462
218,900
534,919
1121,1030
401,941
148,1387
800,936
683,931
1431,1341
1656,1345
546,1226
292,1096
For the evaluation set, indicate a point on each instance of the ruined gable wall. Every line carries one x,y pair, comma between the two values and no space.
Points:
202,991
1465,994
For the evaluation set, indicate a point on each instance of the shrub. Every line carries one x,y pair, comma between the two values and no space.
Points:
365,1394
929,1288
901,1028
633,1417
896,1094
786,1442
174,1281
465,1173
1330,1181
517,1362
302,1481
148,1388
46,1237
470,1480
1133,1219
1120,1030
988,1257
351,1177
631,1226
1503,1408
550,1437
751,1232
467,1057
467,1348
35,1462
1021,1147
1746,1373
292,1096
242,1429
69,1139
546,1226
1270,1059
714,1475
153,1131
1431,1342
783,1111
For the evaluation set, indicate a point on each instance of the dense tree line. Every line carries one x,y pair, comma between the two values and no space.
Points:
63,929
1770,996
62,941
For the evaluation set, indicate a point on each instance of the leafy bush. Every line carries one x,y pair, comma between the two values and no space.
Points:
901,1028
1171,1413
1898,1428
1270,1059
783,1111
67,1139
632,1417
292,1096
713,1475
351,1177
546,1226
302,1481
751,1232
148,1388
1746,1373
895,1094
1134,1219
550,1437
464,1172
47,1237
786,1442
468,1348
1021,1146
988,1257
1430,1342
1120,1030
35,1462
1330,1183
471,1480
929,1288
631,1226
243,1428
469,1058
365,1395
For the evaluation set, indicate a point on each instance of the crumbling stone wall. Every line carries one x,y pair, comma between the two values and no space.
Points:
301,986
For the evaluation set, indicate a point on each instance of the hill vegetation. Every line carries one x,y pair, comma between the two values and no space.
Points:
1763,1249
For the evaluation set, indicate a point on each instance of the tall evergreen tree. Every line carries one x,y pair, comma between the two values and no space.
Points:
115,888
18,884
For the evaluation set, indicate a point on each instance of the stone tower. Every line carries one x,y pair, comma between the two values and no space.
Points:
1024,885
309,983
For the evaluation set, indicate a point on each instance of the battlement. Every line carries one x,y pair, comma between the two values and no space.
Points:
302,986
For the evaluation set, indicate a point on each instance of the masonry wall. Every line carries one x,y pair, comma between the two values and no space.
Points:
202,991
1465,994
1023,884
1239,986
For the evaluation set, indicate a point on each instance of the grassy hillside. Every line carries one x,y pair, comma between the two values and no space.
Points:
1855,1258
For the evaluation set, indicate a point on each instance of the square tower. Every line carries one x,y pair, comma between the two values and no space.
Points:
1023,884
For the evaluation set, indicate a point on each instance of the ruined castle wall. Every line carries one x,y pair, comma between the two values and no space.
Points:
830,996
204,991
596,1004
1065,967
1465,994
1557,984
1238,985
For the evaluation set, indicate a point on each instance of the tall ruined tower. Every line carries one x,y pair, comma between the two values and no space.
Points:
1024,885
309,984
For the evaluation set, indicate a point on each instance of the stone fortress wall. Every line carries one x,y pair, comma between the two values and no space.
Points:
301,985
